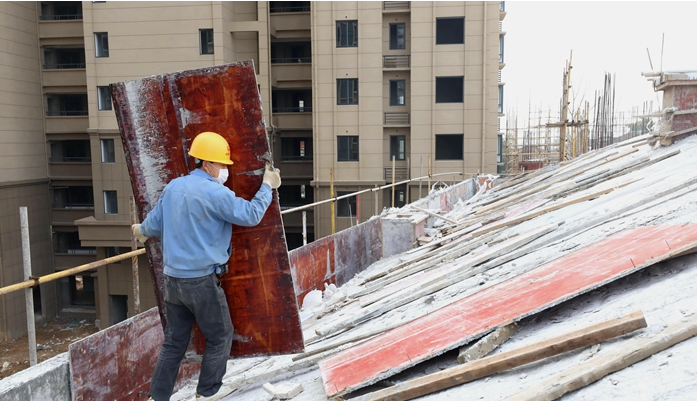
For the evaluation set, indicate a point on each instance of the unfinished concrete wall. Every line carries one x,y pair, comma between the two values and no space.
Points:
339,257
48,380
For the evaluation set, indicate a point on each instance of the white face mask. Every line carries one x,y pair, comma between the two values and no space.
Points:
222,176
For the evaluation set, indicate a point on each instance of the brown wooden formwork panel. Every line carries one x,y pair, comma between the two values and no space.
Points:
158,117
117,363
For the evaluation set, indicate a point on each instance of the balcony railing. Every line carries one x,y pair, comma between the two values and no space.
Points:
292,158
63,66
73,205
92,251
60,17
290,9
395,61
397,118
291,60
305,109
293,205
395,5
66,159
53,113
400,174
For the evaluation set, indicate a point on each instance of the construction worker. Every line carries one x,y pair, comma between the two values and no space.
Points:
194,218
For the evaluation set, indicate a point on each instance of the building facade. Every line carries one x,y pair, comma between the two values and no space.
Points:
350,90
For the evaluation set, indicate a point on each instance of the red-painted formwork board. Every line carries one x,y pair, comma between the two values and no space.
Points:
523,295
159,116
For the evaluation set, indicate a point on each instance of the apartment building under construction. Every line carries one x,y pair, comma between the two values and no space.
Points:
348,89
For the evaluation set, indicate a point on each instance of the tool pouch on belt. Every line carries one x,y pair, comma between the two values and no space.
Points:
221,270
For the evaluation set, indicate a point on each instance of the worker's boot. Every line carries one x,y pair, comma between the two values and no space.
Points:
224,390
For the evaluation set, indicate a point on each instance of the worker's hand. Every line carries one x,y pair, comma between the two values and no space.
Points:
135,229
272,176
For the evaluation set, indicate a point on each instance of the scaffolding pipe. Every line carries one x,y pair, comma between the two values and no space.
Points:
393,178
331,196
28,293
304,227
334,199
134,262
421,172
376,200
34,281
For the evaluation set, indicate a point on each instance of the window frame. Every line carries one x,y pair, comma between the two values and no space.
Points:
346,95
104,98
444,29
209,42
107,201
345,205
448,82
500,100
394,40
101,44
449,147
349,149
394,101
343,39
105,151
395,142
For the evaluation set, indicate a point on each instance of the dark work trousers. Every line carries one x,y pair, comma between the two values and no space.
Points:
187,300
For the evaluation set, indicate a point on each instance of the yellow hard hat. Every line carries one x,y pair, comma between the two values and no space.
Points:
211,147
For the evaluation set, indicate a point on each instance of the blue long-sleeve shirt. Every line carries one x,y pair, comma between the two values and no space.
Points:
194,217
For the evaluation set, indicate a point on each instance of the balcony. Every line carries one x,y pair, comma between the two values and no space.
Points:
287,75
67,124
395,5
293,120
290,19
289,6
62,78
60,10
80,168
397,118
400,174
67,216
396,62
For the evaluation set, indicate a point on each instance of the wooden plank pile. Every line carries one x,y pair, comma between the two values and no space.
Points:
531,242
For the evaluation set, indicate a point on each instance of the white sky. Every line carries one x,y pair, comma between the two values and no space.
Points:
605,37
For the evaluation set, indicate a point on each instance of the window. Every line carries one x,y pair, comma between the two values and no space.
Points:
104,98
108,155
397,36
296,149
449,147
398,144
345,207
112,251
101,44
398,89
500,99
500,48
347,91
111,205
347,148
347,33
450,89
499,148
206,39
450,31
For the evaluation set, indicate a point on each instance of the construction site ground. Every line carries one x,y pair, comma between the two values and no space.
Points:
52,338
